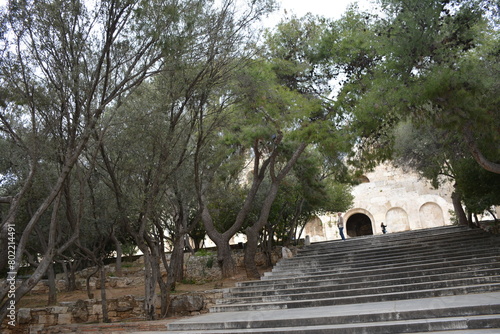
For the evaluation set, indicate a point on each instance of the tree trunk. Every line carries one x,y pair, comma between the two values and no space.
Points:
459,210
268,242
52,286
225,260
253,231
46,260
150,277
164,297
175,273
72,276
87,283
250,252
297,239
66,275
30,283
119,254
292,232
164,288
492,214
176,266
104,302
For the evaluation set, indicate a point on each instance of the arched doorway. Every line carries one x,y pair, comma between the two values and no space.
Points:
359,224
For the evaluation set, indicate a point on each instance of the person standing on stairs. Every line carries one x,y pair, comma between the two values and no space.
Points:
384,230
340,225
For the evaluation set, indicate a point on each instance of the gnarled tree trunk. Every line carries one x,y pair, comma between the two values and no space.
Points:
459,210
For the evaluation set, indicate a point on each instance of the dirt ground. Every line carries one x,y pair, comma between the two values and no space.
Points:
40,300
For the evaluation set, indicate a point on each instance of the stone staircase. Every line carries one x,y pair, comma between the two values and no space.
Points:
439,280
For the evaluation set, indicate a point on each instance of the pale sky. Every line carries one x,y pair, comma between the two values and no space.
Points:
328,8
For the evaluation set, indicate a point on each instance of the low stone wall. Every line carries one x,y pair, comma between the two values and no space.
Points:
198,269
43,319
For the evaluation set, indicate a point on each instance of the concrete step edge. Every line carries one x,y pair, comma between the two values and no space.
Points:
381,242
348,284
403,326
397,252
393,296
330,319
370,290
330,280
318,266
349,270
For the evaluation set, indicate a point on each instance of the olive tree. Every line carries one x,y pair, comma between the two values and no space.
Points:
63,64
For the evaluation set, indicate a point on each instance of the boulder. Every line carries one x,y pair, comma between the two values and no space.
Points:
24,315
79,311
187,303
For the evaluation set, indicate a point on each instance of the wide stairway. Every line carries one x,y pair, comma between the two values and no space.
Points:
440,280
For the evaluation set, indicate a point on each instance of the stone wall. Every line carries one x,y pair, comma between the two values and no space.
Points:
198,269
400,199
126,308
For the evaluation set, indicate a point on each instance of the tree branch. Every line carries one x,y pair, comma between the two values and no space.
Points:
477,154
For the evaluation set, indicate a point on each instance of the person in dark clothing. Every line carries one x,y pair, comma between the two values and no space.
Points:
383,228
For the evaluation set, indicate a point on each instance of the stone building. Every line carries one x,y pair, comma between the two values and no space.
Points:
401,200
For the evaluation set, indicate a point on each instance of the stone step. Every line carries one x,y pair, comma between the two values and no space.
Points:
380,327
439,280
381,243
407,270
450,312
354,261
355,270
470,245
483,310
329,280
409,265
388,249
368,288
402,238
394,294
359,283
348,247
410,237
463,331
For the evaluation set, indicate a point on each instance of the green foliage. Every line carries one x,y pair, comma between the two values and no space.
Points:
479,187
204,252
188,281
129,249
303,194
434,61
210,262
295,57
453,217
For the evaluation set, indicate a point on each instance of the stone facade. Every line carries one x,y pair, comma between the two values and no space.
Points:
401,200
